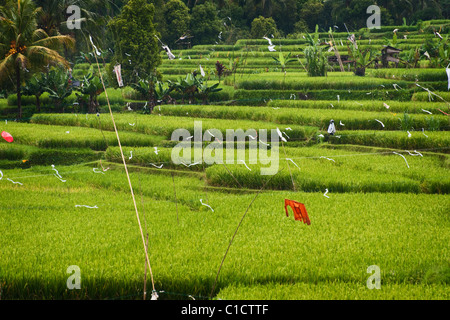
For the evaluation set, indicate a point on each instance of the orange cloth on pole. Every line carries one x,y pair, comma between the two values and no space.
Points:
299,210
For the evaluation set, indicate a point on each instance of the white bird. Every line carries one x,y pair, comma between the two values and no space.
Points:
325,194
386,105
131,155
426,111
423,132
437,33
395,30
340,122
409,134
156,149
271,48
159,167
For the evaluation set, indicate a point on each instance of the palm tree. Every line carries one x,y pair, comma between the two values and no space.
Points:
25,47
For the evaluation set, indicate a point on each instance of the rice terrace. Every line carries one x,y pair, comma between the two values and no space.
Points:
168,150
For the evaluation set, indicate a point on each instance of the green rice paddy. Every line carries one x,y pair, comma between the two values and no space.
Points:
376,194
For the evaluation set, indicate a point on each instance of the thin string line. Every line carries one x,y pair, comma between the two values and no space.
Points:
126,169
240,222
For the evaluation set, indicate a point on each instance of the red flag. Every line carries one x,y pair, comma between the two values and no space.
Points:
7,136
299,210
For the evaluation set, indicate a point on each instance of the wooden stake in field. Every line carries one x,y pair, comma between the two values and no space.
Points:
124,163
175,195
336,51
145,273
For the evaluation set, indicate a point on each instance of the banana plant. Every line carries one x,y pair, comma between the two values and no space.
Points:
282,60
91,87
316,62
205,90
162,92
58,85
187,87
147,87
35,87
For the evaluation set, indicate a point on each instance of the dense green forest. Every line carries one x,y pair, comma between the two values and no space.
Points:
201,21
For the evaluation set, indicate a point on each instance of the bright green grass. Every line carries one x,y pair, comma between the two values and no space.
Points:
65,136
334,80
334,290
316,169
156,124
352,119
366,105
404,234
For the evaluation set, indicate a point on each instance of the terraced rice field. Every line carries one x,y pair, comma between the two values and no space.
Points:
377,192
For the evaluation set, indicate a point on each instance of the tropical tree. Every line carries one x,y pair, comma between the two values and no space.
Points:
35,87
136,44
59,86
25,47
91,87
177,20
205,23
147,89
263,27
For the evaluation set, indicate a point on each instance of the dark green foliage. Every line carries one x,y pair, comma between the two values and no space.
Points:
205,23
316,61
136,47
262,26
